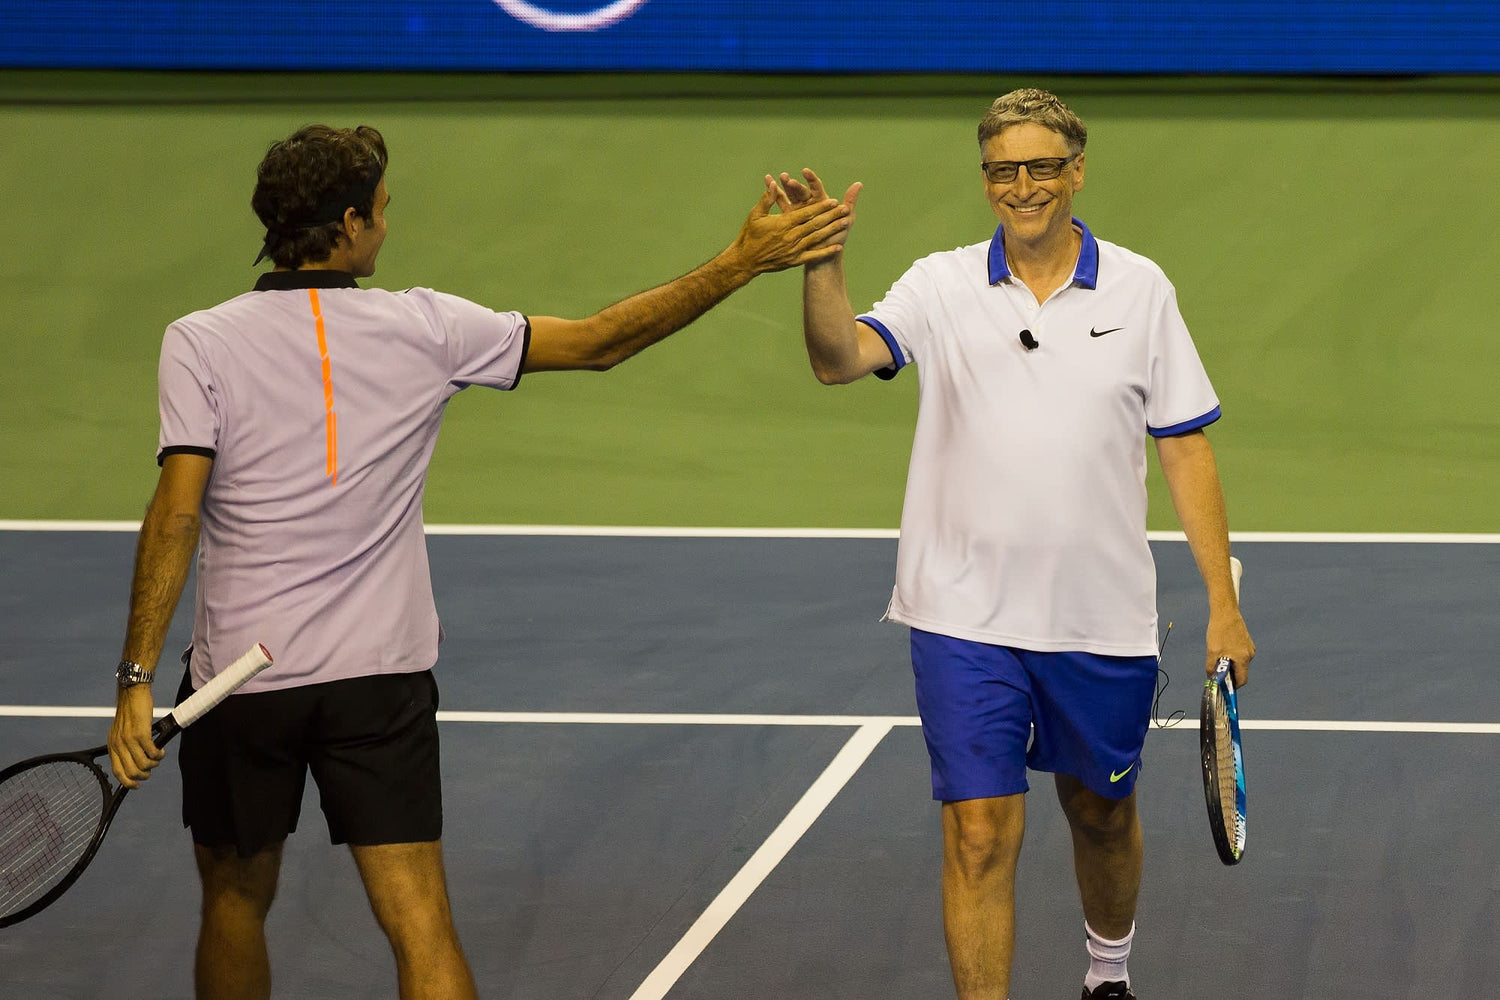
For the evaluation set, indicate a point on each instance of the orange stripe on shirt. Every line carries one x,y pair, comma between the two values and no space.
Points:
332,419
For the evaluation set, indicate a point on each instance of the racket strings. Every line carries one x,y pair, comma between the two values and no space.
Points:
48,817
1226,777
1224,760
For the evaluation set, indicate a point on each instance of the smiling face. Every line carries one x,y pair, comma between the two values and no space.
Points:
1033,212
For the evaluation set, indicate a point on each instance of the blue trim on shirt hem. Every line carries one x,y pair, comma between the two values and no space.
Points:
898,359
1186,425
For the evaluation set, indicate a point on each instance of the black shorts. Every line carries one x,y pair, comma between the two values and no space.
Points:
371,743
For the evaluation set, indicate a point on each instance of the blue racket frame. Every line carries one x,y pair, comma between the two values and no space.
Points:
1229,832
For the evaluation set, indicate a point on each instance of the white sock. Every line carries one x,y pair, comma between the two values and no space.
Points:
1107,958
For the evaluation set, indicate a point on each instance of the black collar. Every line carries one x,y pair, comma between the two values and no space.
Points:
287,281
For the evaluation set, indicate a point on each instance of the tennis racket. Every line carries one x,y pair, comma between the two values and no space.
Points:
55,810
1223,756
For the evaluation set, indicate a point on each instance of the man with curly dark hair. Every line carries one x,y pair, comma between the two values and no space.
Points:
304,184
297,423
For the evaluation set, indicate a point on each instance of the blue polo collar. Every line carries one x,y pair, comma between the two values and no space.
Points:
1085,274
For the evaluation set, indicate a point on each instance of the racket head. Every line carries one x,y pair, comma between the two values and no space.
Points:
54,811
1223,765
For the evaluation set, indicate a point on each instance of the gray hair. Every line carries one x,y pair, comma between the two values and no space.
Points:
1037,107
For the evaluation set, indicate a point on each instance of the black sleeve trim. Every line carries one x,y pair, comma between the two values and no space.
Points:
184,449
525,349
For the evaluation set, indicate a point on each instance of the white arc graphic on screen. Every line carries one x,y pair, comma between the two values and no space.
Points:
551,20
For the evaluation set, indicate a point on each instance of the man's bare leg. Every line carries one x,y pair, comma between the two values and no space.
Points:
408,891
1107,860
1107,855
231,962
981,843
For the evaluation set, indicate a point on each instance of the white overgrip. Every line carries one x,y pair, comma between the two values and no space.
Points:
223,684
1236,570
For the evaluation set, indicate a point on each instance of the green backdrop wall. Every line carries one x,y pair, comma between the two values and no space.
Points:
1333,246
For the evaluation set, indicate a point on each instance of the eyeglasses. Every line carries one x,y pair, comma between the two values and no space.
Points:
1041,169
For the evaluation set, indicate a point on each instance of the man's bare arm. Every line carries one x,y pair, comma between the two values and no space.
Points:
163,555
766,242
840,349
1187,462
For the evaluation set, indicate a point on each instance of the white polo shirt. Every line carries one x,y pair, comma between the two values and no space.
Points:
320,404
1025,515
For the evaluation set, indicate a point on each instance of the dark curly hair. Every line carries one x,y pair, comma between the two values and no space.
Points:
305,184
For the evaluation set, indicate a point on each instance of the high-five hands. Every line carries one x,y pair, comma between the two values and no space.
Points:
792,194
808,232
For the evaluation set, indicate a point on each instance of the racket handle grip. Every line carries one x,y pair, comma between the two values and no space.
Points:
221,686
1224,669
163,731
1224,673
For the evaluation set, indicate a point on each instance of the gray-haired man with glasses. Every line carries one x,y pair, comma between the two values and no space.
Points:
1045,357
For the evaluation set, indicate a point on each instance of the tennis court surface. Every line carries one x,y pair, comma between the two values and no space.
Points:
688,767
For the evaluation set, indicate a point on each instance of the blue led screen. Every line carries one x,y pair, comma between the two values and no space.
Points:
875,36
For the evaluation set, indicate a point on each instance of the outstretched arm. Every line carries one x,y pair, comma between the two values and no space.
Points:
1187,462
766,242
839,347
163,554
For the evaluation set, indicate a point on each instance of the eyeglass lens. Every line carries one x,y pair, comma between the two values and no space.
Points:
1043,169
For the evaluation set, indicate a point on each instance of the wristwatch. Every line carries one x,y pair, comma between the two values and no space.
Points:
130,673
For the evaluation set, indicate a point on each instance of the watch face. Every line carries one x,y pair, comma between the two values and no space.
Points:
128,674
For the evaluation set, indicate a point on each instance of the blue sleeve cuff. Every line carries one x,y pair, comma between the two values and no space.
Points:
1187,425
898,359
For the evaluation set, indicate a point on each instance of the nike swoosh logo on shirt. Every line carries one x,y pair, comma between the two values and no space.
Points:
1100,333
1113,777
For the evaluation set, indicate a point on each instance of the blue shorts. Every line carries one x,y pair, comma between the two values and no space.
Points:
1083,714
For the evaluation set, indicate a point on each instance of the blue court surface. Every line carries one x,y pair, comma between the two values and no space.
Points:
688,768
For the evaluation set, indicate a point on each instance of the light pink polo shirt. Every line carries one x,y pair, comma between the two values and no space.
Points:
320,403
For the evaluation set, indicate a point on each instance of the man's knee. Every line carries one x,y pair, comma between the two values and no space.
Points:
407,887
982,836
1095,816
230,881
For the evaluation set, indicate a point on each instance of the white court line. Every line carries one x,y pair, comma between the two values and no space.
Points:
629,531
1366,538
632,531
679,719
66,712
761,863
838,721
59,712
70,526
1308,725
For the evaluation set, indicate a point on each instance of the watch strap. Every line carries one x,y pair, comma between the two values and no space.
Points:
129,673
